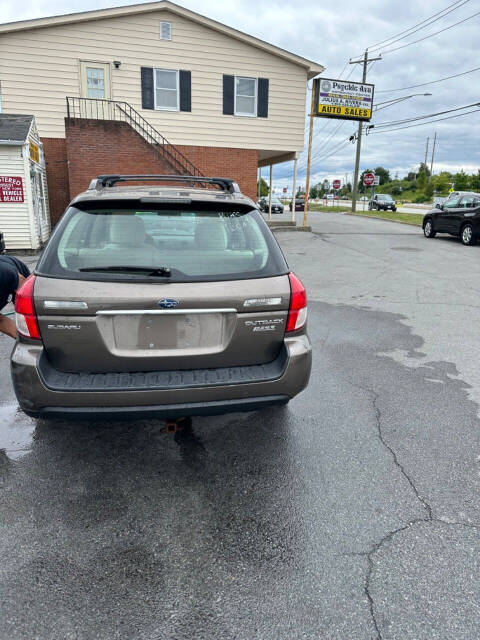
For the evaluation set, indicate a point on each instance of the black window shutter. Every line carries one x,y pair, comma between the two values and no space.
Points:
185,91
228,95
147,88
262,100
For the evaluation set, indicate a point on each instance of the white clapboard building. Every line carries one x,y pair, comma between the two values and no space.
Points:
24,213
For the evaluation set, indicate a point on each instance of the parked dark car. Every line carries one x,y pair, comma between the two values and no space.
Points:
299,204
277,206
459,216
440,201
2,243
382,202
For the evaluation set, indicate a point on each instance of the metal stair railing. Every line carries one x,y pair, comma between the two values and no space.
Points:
120,111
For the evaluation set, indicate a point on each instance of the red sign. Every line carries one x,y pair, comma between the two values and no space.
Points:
368,179
11,189
284,189
336,184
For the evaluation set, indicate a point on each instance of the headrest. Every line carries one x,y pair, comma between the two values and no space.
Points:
127,230
210,234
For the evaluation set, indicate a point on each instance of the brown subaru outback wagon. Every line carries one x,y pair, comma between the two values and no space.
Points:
160,300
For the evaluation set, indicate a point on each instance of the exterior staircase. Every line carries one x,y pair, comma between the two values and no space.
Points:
113,110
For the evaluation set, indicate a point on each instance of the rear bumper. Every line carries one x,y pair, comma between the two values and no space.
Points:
170,411
47,393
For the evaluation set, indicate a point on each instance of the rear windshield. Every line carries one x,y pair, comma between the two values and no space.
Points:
183,244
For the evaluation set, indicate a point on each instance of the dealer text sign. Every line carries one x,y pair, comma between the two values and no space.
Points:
11,189
343,99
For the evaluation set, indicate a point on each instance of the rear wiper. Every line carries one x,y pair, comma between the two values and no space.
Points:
150,271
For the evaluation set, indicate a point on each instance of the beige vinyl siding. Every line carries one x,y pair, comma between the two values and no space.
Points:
15,222
39,67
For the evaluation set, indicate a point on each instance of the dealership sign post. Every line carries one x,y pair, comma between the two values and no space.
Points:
343,100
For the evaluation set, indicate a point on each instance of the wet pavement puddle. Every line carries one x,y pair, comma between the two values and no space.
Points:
16,431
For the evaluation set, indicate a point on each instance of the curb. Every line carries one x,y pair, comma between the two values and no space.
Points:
361,215
290,228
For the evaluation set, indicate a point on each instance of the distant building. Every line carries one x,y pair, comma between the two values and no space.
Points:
109,88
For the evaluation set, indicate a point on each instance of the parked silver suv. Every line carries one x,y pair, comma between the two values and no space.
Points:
160,301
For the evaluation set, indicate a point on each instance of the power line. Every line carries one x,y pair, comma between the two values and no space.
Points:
428,115
418,27
408,44
424,84
458,115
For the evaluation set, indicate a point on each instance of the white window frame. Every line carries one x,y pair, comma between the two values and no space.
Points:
162,22
255,108
177,75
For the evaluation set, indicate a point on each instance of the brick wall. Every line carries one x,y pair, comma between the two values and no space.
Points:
239,164
57,176
95,147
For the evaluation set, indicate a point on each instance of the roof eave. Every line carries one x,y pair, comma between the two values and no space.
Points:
312,67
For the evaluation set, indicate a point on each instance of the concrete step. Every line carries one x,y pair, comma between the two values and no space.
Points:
281,223
294,228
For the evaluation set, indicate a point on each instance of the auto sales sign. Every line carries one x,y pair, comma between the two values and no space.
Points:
343,99
11,189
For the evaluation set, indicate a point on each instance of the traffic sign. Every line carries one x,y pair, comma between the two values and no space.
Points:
369,179
284,189
377,180
336,184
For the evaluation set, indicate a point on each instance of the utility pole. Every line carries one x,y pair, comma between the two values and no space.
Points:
309,160
259,180
433,154
426,154
365,62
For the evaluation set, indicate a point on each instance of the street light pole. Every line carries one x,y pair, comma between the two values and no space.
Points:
389,103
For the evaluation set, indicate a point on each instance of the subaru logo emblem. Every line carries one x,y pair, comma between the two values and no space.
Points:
168,303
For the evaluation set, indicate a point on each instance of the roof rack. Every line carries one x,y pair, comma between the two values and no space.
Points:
226,184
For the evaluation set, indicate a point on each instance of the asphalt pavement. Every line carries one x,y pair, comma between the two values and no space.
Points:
351,514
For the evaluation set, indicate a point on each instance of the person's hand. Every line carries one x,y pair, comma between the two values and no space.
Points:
8,327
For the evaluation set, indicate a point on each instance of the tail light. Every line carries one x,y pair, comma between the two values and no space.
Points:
25,316
297,313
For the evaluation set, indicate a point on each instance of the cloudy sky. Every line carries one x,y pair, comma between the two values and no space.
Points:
331,33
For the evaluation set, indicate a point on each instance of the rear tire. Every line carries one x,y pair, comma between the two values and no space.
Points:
467,235
428,230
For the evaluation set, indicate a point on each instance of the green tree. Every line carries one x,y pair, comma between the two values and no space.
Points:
422,181
475,181
441,183
396,188
423,167
264,188
462,181
384,175
313,192
429,190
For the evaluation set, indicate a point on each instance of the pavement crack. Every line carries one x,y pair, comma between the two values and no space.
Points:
396,461
391,534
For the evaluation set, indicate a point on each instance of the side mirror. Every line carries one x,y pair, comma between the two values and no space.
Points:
440,206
